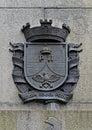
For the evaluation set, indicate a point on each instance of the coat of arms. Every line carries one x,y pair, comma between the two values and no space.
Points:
46,66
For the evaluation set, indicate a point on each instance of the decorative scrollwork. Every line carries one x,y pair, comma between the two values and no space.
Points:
27,93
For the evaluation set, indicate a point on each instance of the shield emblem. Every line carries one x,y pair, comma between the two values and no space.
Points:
45,65
42,70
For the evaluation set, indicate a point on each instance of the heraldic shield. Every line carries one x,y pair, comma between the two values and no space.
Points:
45,65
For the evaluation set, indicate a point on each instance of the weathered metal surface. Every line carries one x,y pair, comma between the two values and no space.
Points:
45,67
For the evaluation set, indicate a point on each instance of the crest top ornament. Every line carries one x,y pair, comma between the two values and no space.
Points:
46,66
45,32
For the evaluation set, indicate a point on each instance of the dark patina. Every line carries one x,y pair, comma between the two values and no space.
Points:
46,66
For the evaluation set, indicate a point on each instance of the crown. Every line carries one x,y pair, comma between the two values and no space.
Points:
45,31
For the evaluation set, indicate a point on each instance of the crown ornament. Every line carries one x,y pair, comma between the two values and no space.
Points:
45,31
45,67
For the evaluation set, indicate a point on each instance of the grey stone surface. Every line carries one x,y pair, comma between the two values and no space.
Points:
45,3
77,114
7,120
37,120
11,22
53,106
78,120
80,22
53,124
29,120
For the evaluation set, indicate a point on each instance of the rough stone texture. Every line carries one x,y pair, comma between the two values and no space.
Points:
77,114
45,3
80,22
11,22
27,120
35,120
78,120
7,120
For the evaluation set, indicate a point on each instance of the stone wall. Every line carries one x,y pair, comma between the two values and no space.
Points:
77,114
